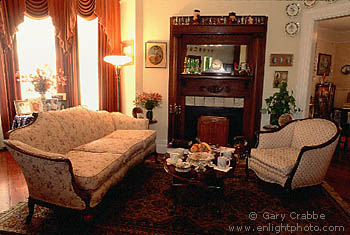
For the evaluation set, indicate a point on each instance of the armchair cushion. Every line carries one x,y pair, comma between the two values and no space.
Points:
282,160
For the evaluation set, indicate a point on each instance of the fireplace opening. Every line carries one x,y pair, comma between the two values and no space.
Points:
234,115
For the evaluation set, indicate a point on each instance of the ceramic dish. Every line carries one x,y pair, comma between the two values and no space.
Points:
201,156
309,3
292,9
292,28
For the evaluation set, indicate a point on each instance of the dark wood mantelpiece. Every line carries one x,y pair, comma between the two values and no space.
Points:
216,85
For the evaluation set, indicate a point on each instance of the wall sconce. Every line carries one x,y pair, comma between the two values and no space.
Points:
117,61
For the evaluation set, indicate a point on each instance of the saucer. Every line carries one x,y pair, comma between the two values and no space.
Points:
169,161
222,169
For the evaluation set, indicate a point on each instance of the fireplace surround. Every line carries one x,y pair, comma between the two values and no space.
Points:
192,48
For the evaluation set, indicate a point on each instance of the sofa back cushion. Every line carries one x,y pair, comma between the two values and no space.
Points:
315,131
46,134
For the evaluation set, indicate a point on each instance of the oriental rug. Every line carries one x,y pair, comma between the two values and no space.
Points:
140,205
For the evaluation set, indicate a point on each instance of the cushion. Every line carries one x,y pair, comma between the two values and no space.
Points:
91,169
280,159
45,133
128,147
146,136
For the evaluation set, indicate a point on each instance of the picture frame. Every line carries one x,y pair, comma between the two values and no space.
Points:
60,96
63,104
52,104
281,59
279,77
22,107
324,64
36,105
156,54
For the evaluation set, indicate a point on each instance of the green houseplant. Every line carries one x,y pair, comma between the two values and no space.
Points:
279,103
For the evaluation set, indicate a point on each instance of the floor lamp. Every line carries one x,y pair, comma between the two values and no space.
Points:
117,61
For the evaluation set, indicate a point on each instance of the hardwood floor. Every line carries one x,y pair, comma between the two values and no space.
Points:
13,187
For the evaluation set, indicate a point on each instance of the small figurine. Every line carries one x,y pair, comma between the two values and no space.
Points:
250,20
196,16
232,18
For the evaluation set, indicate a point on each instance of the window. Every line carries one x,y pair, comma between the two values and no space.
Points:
88,61
35,48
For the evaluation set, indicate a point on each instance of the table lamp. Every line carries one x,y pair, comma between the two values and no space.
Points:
117,61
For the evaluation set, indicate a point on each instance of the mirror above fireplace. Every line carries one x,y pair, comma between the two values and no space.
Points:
215,58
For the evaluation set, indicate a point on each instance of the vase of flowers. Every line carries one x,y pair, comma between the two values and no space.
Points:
43,80
149,101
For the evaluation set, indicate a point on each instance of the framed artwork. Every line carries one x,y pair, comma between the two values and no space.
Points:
52,104
324,64
63,104
281,60
22,107
36,105
279,78
128,50
156,54
60,96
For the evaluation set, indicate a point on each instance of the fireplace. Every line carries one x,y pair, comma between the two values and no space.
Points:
197,106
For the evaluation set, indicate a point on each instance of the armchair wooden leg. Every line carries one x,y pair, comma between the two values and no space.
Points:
31,205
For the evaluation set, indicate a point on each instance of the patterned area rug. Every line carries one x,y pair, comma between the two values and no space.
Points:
141,202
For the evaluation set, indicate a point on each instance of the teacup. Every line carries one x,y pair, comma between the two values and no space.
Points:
223,162
174,157
226,153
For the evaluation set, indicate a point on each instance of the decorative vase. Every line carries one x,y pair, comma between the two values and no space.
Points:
149,114
43,99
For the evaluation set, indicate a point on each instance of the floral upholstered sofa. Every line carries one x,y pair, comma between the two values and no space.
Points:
70,158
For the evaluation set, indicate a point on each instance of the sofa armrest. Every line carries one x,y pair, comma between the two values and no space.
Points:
125,122
49,176
277,138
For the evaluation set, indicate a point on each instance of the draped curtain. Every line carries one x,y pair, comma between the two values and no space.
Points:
64,18
11,15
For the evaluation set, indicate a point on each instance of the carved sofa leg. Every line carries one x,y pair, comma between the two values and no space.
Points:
31,205
246,169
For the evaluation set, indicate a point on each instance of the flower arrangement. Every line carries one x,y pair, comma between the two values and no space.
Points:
44,79
148,100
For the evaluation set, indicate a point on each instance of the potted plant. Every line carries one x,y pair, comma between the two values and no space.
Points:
279,103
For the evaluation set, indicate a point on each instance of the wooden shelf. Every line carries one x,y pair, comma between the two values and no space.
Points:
216,76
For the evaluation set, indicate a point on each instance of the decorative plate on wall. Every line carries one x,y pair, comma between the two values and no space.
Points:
345,69
292,28
310,3
292,9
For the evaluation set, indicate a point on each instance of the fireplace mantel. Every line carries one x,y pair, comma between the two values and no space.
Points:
183,82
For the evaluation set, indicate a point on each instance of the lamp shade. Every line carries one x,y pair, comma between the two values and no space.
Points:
117,60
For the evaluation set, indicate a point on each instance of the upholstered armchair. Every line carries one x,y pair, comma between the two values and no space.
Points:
296,155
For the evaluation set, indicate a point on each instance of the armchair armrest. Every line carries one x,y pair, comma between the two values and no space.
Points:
277,138
49,176
125,122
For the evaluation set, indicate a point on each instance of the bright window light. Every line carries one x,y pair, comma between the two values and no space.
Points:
88,61
35,49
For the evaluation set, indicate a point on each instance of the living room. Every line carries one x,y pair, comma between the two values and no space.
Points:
149,21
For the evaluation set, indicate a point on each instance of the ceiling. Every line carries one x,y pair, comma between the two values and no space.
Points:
337,24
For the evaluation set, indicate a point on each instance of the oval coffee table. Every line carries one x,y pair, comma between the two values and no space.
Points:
211,180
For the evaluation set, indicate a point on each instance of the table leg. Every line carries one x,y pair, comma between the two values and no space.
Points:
174,192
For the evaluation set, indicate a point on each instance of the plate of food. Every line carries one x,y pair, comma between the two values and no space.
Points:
183,166
201,156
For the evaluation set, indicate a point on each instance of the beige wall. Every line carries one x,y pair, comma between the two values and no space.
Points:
153,24
128,78
341,81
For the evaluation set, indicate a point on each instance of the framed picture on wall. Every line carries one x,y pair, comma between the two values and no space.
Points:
156,54
281,60
279,78
324,64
